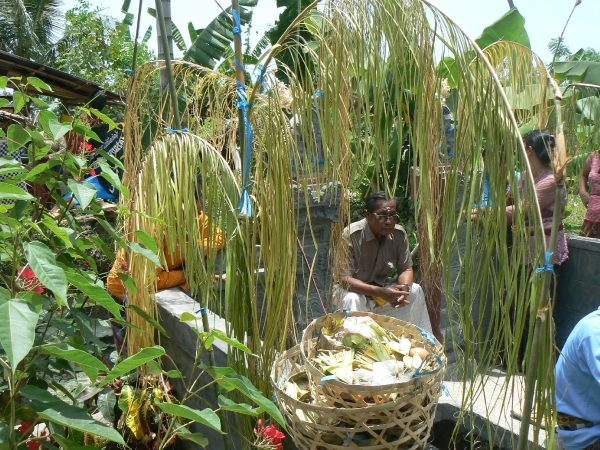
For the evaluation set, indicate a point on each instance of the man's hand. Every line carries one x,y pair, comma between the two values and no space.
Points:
395,295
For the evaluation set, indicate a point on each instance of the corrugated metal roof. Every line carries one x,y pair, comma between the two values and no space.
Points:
71,90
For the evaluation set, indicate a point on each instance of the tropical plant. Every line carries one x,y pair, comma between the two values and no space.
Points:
50,298
29,29
98,48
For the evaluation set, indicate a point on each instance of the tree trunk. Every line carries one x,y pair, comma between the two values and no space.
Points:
166,4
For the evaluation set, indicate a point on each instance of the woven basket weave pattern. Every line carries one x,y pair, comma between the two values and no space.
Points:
336,415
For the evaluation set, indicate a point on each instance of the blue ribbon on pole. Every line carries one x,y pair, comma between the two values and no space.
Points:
547,267
172,130
237,27
261,74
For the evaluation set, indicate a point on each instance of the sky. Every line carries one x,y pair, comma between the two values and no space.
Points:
545,19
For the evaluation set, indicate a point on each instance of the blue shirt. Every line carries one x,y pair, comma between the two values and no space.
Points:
578,381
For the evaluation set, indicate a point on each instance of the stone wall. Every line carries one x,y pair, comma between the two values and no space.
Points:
578,286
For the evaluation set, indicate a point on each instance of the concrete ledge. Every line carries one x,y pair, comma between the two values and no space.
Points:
490,417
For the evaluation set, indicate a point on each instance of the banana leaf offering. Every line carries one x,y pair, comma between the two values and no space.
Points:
366,353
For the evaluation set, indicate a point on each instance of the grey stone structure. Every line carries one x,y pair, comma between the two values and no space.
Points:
578,291
313,294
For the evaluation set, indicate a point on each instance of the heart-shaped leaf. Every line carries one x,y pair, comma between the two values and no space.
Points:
43,263
84,192
17,329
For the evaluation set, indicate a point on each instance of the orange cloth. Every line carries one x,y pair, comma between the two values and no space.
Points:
170,277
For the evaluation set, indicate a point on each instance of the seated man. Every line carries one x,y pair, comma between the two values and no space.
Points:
377,246
578,386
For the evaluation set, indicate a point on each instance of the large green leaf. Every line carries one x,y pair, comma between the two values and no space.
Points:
63,233
147,240
12,192
17,137
230,341
68,444
133,362
206,416
245,386
509,27
57,129
83,191
88,363
78,419
17,328
178,38
19,100
43,263
214,40
196,438
106,404
145,252
241,408
578,71
139,311
38,84
590,108
96,293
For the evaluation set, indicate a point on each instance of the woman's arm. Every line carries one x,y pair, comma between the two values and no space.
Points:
583,182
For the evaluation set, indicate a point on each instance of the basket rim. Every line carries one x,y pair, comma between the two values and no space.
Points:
312,370
350,410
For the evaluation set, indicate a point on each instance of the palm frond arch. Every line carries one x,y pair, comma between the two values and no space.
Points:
374,85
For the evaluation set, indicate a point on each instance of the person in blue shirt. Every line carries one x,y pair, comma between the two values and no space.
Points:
578,386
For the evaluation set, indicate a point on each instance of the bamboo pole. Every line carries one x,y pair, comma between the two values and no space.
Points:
168,67
559,164
241,79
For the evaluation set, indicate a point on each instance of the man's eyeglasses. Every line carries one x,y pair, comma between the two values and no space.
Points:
384,217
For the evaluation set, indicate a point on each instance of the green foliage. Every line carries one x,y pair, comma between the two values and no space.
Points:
48,282
98,48
30,29
509,27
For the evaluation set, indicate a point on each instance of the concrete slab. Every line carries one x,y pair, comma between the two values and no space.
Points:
493,395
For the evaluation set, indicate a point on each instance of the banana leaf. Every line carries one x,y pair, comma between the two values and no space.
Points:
213,41
580,71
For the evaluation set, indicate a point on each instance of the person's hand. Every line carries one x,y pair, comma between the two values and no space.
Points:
585,198
395,295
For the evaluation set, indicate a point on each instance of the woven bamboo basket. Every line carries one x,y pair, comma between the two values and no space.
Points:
331,392
402,424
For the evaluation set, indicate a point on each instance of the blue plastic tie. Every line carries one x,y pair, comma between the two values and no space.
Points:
172,130
237,27
319,93
419,374
428,337
347,312
546,267
445,390
130,71
238,63
245,206
261,73
327,378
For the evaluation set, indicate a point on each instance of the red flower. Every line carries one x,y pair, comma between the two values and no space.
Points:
33,445
31,282
270,434
273,435
92,172
24,425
